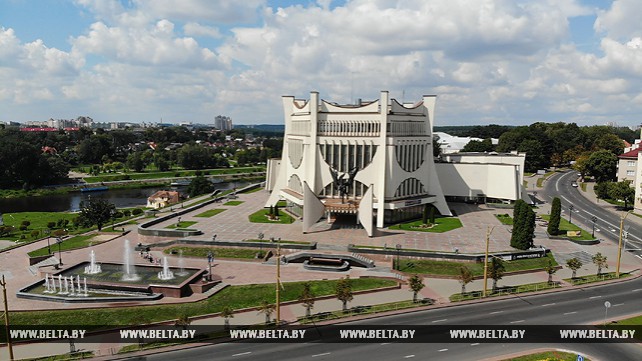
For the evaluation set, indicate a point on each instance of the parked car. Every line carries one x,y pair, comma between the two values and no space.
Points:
574,184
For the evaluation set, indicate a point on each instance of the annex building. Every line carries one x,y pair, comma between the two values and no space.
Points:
372,164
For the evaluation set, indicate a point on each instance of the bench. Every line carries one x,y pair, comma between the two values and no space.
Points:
333,261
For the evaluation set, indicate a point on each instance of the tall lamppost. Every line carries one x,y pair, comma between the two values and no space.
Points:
48,232
619,246
593,219
570,213
398,246
210,259
488,232
59,241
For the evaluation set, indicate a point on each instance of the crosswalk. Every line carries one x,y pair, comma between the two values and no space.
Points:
583,256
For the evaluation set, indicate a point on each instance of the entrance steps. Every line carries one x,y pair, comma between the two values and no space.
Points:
51,261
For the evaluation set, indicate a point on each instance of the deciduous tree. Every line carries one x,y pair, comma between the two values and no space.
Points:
416,284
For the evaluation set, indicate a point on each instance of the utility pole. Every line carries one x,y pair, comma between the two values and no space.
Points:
619,246
488,232
3,283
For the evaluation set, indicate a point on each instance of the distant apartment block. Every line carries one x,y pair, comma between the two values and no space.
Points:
222,122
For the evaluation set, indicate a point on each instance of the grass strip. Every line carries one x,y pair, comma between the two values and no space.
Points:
442,224
210,213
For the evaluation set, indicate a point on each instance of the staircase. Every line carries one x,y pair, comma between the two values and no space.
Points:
362,258
51,261
215,289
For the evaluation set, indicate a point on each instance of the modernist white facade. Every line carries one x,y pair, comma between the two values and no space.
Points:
388,145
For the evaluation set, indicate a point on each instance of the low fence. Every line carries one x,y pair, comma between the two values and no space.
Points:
194,242
478,257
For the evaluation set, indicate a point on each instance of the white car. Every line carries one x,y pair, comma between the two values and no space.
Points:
574,184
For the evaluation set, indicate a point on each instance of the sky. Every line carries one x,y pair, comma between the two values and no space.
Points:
488,61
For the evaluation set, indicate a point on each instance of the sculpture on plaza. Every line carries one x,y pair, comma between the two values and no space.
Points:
342,184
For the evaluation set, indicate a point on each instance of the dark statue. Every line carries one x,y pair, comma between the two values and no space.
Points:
343,185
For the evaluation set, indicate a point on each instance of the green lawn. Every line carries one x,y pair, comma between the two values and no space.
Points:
218,252
451,268
503,291
633,321
236,297
172,174
68,244
548,356
210,213
182,224
261,217
38,224
505,219
595,278
566,226
442,224
233,203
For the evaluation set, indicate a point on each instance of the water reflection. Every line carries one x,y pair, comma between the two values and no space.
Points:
71,201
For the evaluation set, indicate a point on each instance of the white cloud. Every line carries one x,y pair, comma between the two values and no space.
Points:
196,29
621,20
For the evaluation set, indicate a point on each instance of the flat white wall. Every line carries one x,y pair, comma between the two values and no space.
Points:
469,179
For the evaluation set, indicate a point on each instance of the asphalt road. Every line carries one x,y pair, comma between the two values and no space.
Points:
573,307
607,226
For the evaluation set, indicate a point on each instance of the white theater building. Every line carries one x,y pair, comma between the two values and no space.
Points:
389,146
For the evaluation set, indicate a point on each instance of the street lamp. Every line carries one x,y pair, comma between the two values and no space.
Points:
59,241
619,246
179,222
593,219
48,232
570,213
210,259
488,232
398,246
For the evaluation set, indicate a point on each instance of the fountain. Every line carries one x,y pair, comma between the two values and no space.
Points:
165,274
129,269
93,268
181,264
72,286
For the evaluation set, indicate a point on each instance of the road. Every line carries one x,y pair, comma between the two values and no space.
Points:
607,225
573,307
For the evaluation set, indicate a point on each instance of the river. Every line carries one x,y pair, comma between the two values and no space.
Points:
70,202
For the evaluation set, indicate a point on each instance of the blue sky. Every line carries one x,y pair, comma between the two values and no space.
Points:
488,61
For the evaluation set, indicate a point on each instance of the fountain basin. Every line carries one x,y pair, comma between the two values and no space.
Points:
108,286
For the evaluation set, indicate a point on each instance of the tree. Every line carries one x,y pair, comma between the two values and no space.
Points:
307,298
602,165
96,212
199,185
496,271
556,214
465,277
550,269
622,191
523,225
602,190
574,264
227,313
183,321
343,291
135,161
267,309
416,284
600,261
485,145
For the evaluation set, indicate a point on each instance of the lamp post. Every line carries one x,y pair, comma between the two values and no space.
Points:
278,282
3,283
593,219
210,259
48,232
59,241
489,230
619,246
570,213
179,222
398,246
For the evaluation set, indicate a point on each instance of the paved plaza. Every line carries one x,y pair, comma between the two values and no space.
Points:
233,224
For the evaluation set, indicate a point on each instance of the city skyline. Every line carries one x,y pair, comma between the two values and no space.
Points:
501,62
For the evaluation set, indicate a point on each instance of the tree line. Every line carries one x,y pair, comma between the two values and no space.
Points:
50,155
553,144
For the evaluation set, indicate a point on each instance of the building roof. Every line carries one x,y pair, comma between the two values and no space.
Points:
632,154
171,196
